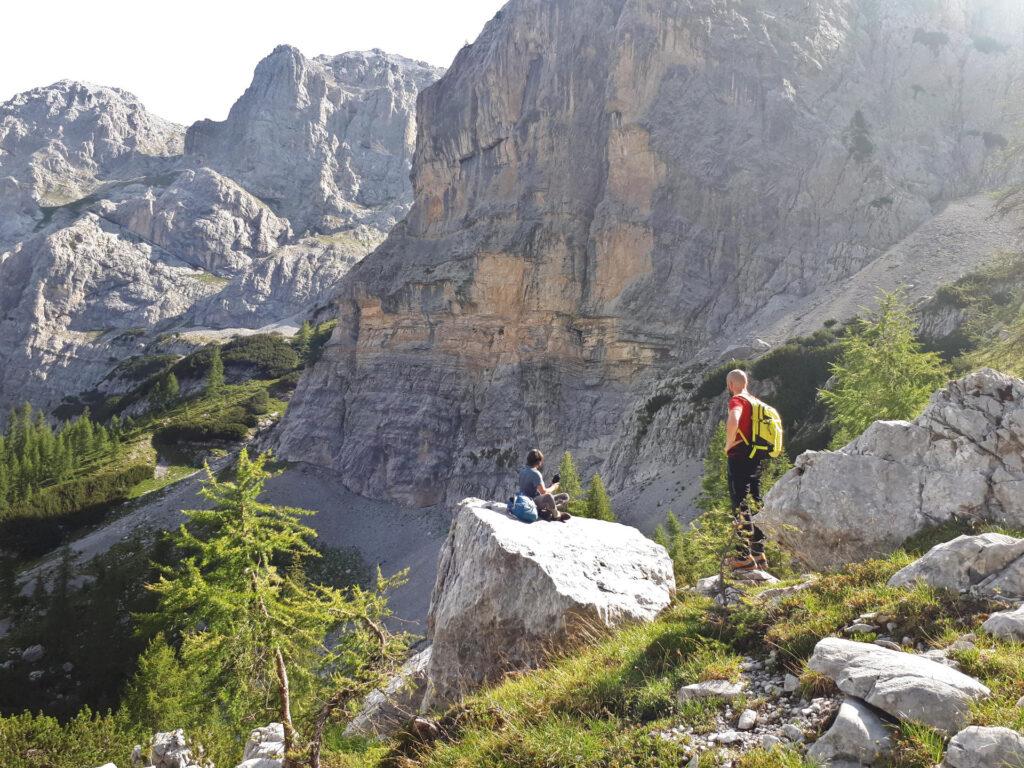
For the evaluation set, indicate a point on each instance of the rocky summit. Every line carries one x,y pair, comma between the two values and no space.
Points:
608,193
117,227
329,140
532,590
963,457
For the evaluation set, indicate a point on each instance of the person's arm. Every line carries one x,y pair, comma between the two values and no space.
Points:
732,428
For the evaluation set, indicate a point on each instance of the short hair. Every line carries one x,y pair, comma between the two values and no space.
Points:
534,457
737,376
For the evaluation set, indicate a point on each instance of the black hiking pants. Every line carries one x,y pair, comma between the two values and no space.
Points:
744,483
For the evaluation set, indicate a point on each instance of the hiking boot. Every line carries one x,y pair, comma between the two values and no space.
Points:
564,517
741,563
761,562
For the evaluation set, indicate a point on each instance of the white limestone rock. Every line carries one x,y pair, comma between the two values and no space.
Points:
709,689
990,564
903,685
981,747
170,749
1008,625
964,456
386,710
267,742
507,593
858,735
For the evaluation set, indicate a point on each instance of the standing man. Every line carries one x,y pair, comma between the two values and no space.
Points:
551,505
744,476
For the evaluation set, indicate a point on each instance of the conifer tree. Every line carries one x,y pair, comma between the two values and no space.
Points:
161,694
304,341
714,484
882,372
598,505
257,628
215,374
569,482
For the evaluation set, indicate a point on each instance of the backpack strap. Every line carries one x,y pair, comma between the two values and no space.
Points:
753,402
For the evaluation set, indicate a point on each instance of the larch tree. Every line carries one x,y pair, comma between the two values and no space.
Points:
882,372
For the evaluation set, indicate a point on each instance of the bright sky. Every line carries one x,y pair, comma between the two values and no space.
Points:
190,59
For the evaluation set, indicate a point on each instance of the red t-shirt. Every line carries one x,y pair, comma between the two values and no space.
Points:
746,418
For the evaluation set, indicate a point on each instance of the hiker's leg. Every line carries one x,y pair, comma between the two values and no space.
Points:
755,481
757,536
736,477
739,469
546,509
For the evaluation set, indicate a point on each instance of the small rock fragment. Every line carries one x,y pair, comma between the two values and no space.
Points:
748,719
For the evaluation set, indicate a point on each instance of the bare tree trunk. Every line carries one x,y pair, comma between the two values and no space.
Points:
286,708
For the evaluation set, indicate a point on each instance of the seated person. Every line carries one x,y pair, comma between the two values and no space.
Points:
551,505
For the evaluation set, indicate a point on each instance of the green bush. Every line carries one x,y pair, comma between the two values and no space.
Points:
713,384
216,431
258,404
269,355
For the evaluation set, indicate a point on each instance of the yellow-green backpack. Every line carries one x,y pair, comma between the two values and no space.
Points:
766,428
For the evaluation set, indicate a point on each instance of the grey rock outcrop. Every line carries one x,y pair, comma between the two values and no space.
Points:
857,736
609,194
386,710
71,300
530,589
1008,625
904,685
171,750
963,457
265,748
709,689
60,142
206,220
978,747
989,564
328,141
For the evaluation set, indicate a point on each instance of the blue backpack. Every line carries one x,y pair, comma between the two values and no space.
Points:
522,508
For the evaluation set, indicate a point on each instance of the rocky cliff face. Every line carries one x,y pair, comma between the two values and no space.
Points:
962,458
111,233
609,195
327,141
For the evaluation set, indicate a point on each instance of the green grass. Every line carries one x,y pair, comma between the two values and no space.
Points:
207,278
600,705
175,472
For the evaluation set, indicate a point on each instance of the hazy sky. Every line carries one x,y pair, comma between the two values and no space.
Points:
190,59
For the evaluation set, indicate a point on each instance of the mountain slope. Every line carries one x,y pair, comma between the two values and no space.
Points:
112,235
609,196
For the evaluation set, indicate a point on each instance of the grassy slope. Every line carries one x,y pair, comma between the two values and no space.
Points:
599,707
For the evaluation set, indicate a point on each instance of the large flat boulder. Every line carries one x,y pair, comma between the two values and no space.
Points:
964,456
978,747
904,685
509,593
990,564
